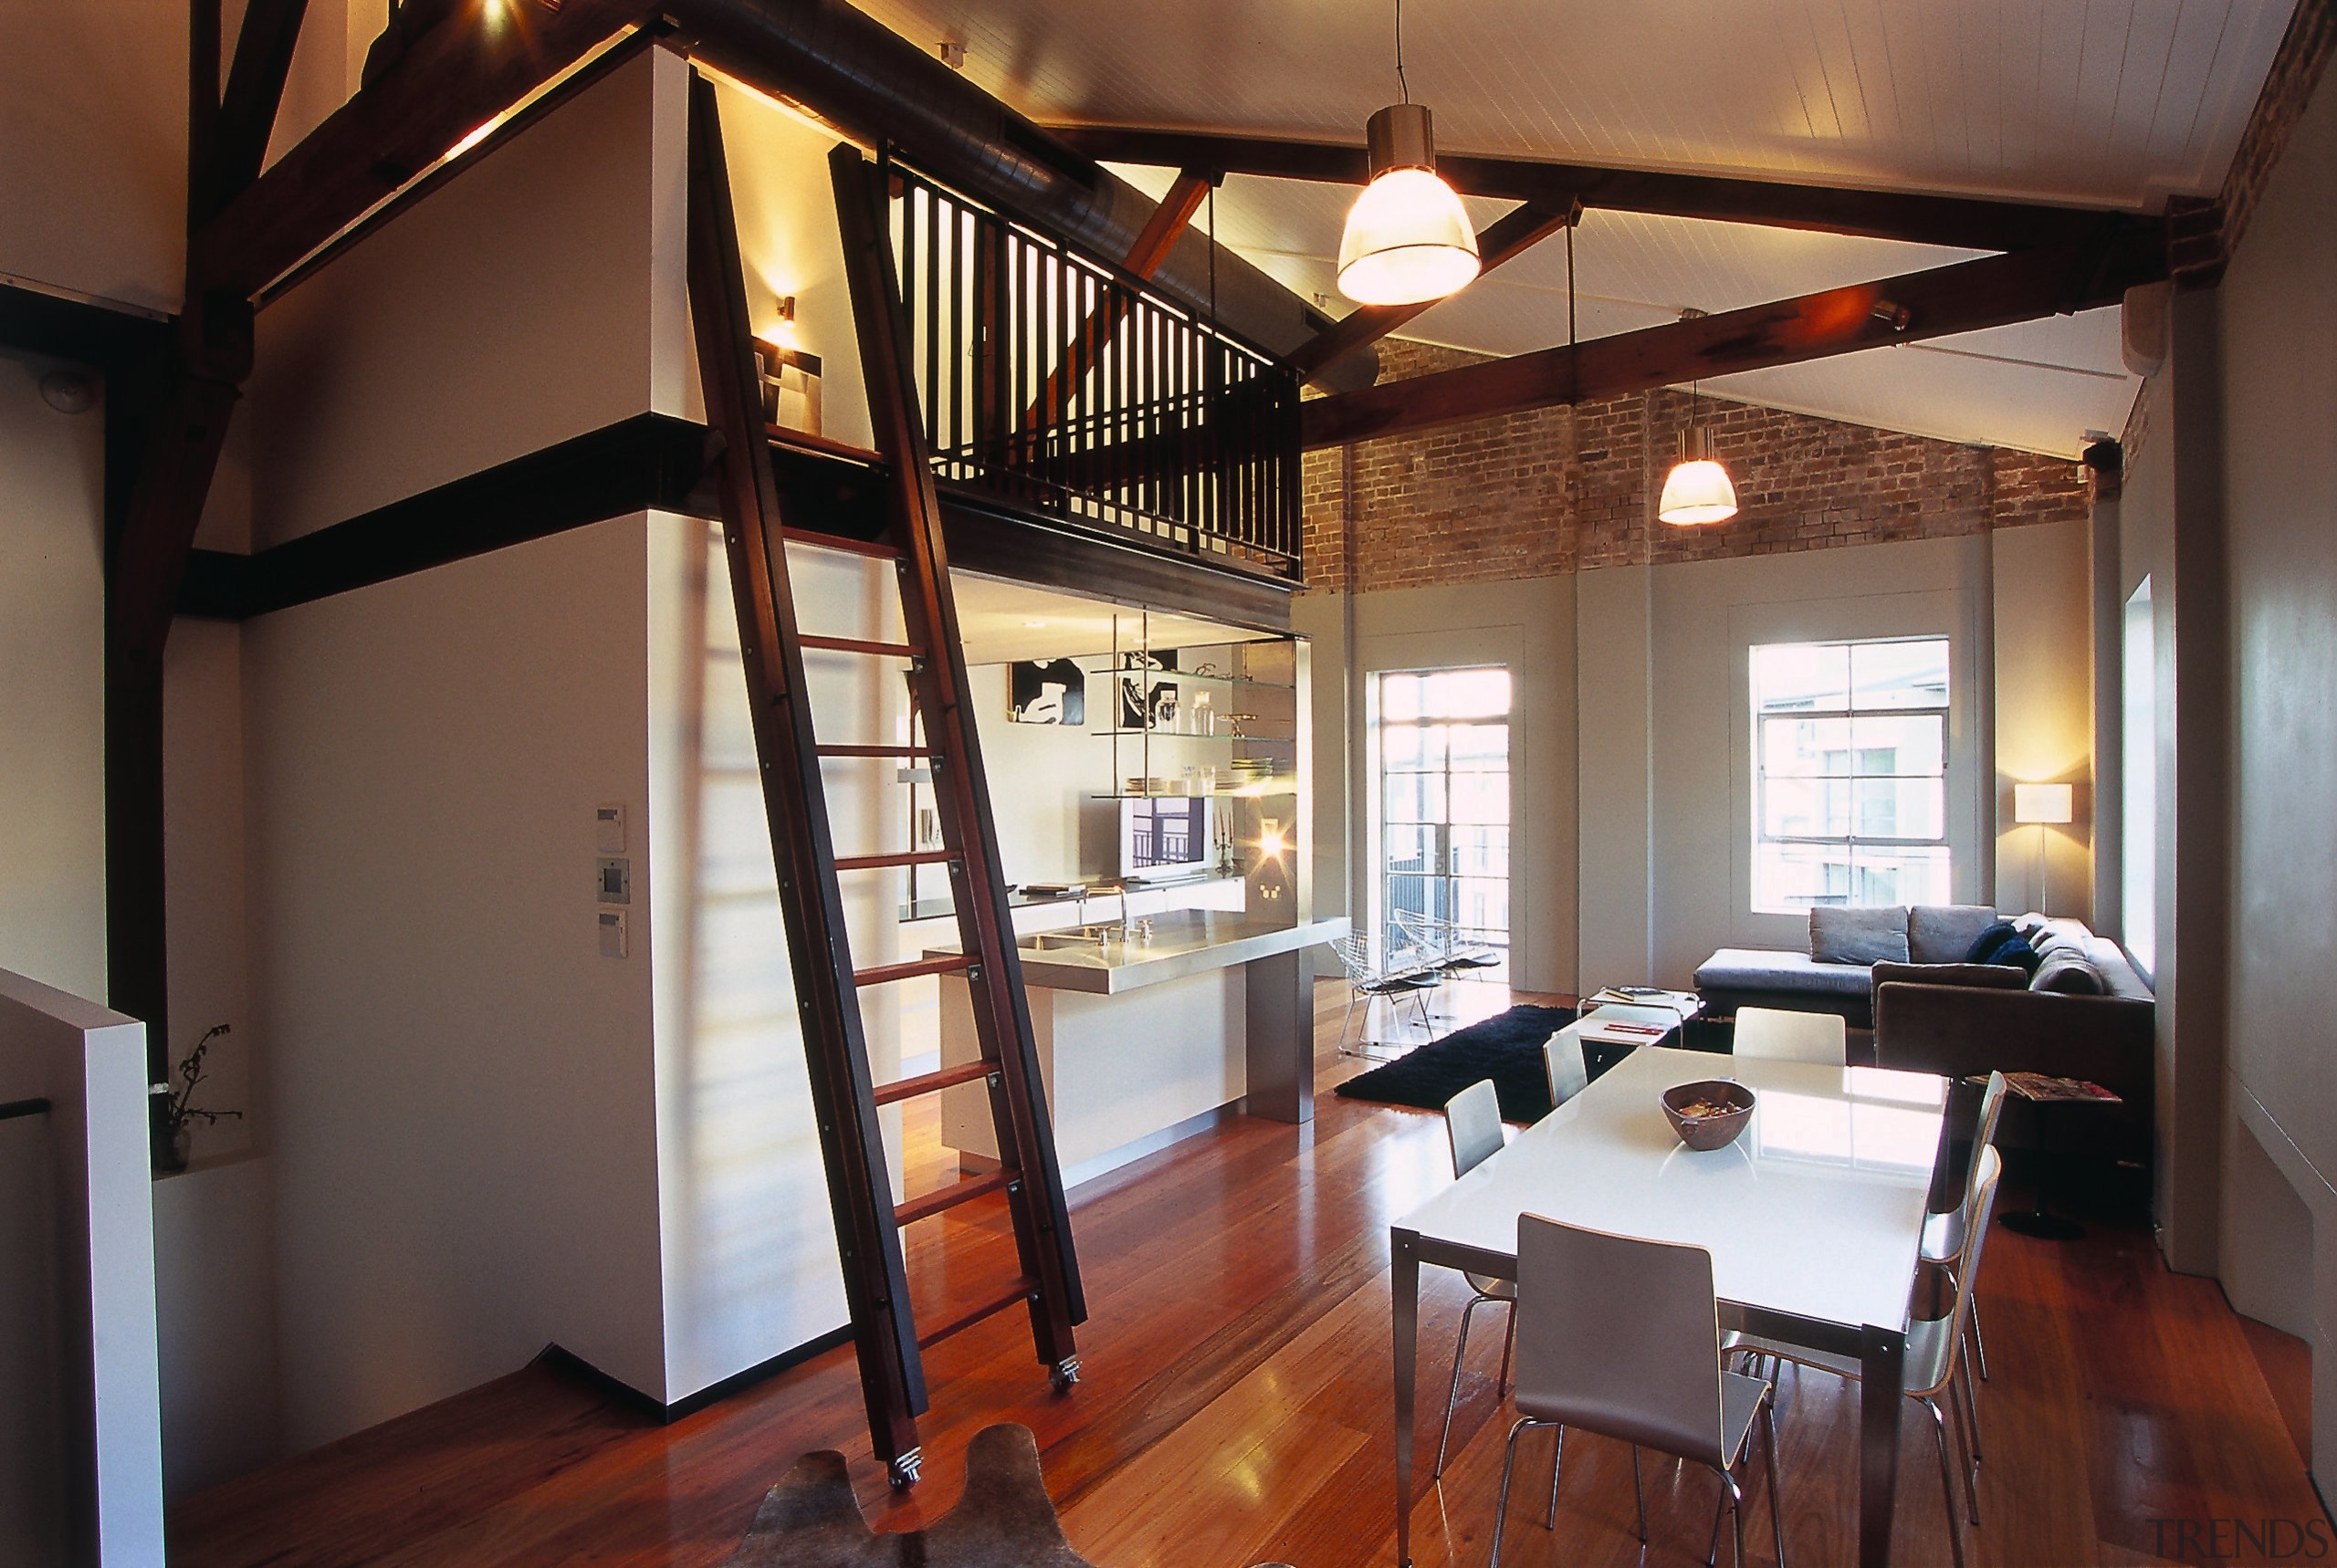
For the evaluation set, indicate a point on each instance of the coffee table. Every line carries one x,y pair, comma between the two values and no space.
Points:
1814,1220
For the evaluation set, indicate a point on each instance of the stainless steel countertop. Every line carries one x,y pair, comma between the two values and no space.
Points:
1184,942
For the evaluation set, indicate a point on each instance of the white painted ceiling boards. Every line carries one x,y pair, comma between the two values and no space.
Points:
2081,102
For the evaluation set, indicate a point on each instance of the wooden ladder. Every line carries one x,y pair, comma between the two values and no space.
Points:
844,1097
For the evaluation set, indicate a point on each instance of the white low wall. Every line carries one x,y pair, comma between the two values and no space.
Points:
81,1457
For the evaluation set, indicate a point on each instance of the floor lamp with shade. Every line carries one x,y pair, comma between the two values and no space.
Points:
2040,806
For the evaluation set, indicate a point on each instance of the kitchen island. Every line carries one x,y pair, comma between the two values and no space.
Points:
1146,1039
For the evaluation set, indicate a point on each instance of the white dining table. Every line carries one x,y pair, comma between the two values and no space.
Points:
1813,1216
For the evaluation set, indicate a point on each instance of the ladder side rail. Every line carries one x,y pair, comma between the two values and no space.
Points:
1001,1012
875,1278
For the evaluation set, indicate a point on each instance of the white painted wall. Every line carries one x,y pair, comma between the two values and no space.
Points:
1708,615
1632,811
1528,625
462,1106
93,149
84,1476
2279,495
786,208
750,1267
2043,619
52,679
519,304
216,1306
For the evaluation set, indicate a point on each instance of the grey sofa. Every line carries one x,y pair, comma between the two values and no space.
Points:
1835,974
1933,1013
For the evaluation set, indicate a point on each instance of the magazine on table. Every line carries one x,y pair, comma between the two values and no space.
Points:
2044,1087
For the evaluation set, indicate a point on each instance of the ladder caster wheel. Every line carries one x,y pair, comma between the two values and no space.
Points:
902,1472
1064,1374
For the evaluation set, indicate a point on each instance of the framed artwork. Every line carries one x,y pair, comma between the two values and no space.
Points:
1048,691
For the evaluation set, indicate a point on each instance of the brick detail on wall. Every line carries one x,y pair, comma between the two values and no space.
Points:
2304,53
1573,489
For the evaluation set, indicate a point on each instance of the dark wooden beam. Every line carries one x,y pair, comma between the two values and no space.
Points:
177,451
1152,247
248,112
998,541
649,462
1169,220
452,80
1510,237
653,463
49,324
1965,296
1968,221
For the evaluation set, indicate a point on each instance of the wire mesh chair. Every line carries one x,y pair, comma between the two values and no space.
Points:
1445,946
1404,975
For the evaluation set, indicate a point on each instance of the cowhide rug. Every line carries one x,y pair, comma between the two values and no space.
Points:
811,1518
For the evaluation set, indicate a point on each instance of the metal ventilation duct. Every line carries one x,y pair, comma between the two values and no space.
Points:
842,66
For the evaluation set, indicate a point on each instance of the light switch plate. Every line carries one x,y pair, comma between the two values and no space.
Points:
612,934
608,828
612,881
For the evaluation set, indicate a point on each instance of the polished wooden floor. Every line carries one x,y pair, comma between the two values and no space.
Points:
1236,1406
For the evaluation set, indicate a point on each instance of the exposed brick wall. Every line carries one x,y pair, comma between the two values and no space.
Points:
1569,490
2297,70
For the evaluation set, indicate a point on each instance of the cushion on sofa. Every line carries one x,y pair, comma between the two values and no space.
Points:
1991,938
1779,969
2119,975
2070,974
2001,976
1841,935
2000,944
1943,933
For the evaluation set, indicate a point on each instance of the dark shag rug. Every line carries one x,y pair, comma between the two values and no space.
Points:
1506,1048
811,1518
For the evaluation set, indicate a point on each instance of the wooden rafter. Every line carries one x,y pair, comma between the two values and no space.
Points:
1965,296
1152,247
1510,237
449,81
247,110
1972,222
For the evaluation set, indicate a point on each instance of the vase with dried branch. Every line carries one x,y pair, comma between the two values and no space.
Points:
175,1126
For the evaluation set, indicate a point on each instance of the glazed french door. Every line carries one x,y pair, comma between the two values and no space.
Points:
1443,795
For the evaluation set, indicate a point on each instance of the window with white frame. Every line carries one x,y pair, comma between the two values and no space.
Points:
1850,773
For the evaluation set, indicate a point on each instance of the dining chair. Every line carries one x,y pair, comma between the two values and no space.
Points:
1777,1034
1620,1336
1943,1234
1472,1122
1395,980
1931,1346
1562,1059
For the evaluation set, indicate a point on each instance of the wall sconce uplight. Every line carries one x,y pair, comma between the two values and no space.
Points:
791,378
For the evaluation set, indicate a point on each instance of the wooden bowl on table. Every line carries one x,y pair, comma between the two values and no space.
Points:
1708,1113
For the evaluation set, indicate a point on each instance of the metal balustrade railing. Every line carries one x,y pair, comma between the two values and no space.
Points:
1064,383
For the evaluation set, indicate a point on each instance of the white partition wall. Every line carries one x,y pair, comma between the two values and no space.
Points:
81,1452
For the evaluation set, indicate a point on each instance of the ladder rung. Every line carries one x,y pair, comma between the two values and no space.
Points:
874,549
950,1196
875,751
1022,1291
897,857
933,1082
860,645
803,440
948,964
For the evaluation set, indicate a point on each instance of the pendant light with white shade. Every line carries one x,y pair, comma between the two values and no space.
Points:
1698,489
1407,239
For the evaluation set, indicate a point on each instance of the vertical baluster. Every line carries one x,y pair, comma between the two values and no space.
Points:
1145,331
